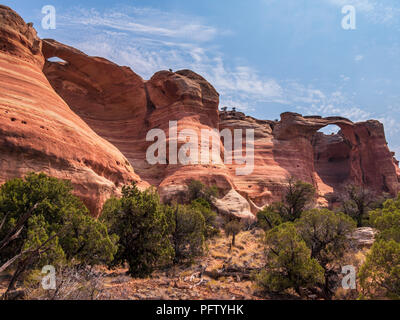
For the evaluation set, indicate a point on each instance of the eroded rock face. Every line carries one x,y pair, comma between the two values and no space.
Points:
123,108
53,114
38,130
358,154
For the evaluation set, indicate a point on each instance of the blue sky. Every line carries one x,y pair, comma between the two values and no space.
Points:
265,57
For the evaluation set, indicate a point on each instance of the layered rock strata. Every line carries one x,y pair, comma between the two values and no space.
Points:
90,120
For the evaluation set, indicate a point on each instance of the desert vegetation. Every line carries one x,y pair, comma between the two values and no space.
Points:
303,246
42,223
380,274
299,248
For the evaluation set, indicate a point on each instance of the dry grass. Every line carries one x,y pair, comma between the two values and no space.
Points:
187,283
184,283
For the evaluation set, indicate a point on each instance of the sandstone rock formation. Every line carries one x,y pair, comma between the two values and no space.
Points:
53,114
234,204
39,132
122,108
358,154
363,238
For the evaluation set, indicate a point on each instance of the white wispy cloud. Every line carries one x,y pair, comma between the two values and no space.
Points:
333,104
241,84
358,58
144,21
148,40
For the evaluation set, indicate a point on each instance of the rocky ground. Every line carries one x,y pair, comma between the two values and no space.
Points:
222,274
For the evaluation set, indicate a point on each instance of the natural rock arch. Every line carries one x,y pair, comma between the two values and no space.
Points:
332,160
358,155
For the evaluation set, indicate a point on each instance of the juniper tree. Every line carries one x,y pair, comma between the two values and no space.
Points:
144,227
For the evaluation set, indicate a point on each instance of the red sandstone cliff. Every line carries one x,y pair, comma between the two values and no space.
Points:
358,154
122,108
39,132
55,122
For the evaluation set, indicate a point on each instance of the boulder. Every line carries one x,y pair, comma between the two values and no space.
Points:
363,237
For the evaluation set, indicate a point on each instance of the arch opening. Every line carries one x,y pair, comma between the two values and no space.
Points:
330,129
56,60
331,158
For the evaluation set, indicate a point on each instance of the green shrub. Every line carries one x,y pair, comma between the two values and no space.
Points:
387,220
197,190
288,262
58,214
326,233
232,228
297,197
356,202
144,227
209,216
380,274
188,235
304,254
269,218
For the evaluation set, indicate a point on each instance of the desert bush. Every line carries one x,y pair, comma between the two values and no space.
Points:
57,211
387,220
73,282
54,226
209,215
301,253
144,227
269,218
188,236
197,190
326,234
288,262
298,196
232,228
380,274
356,202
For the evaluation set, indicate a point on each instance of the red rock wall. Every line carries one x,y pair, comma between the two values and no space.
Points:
52,121
290,147
38,130
123,108
293,147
